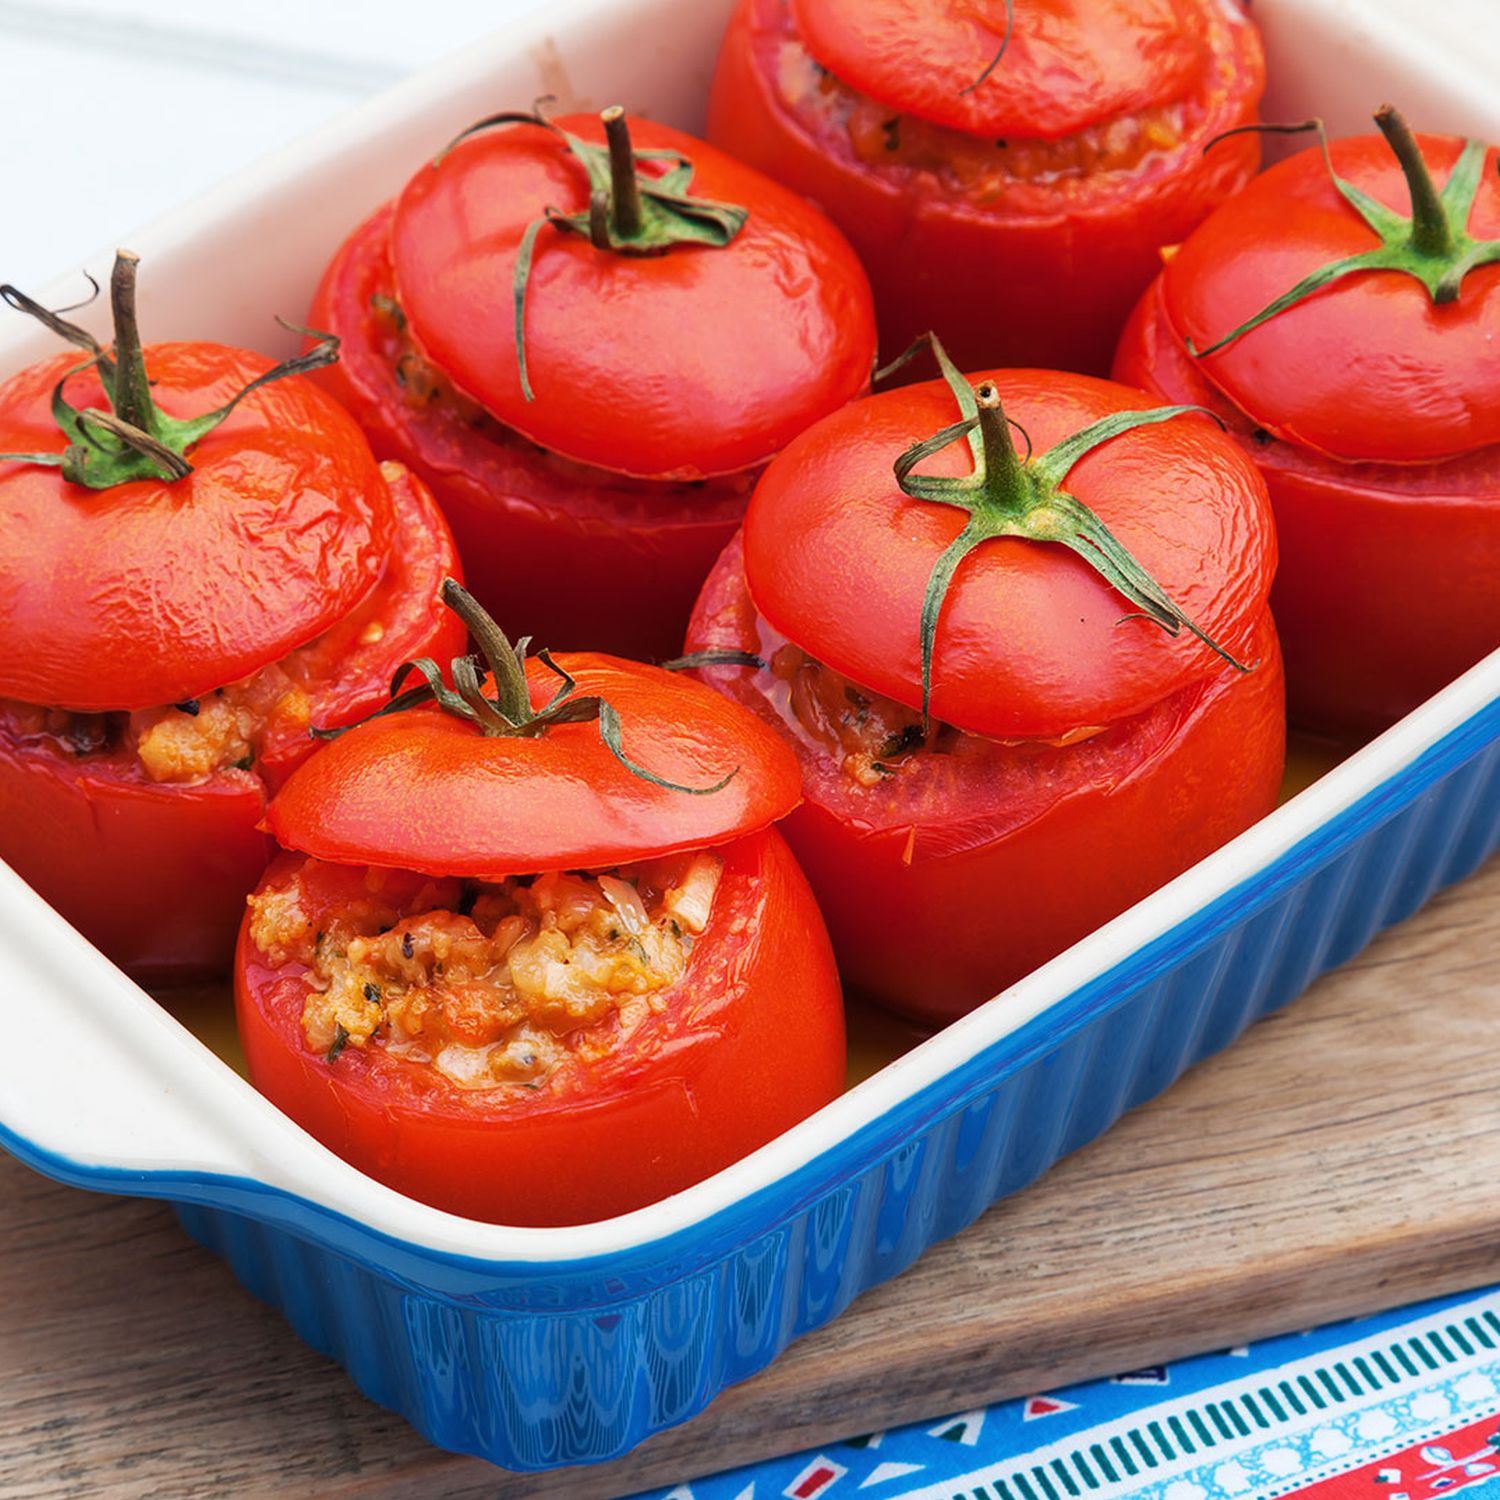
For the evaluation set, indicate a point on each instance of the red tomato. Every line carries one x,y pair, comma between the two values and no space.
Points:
278,583
660,383
620,1104
1084,758
1372,411
1019,216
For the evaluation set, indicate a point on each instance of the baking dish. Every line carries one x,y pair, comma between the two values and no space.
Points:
538,1348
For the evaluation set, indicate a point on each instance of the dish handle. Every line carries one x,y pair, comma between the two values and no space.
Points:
99,1085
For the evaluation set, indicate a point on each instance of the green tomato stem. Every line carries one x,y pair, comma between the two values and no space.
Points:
1431,234
625,187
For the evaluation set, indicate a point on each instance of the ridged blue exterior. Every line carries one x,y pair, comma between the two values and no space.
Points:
539,1366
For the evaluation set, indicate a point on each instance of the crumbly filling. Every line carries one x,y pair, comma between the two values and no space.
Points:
982,170
875,737
493,984
190,741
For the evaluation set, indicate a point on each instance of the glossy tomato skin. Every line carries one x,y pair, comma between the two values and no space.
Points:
941,892
750,1042
1386,586
156,874
573,555
1048,277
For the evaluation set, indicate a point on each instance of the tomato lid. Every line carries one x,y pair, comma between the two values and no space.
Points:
705,358
1067,64
1370,367
153,591
427,791
1030,642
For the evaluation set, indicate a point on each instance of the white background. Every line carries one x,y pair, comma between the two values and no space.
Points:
112,111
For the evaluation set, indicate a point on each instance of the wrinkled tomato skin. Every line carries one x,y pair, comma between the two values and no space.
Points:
155,875
1049,288
1386,589
751,1042
933,932
574,556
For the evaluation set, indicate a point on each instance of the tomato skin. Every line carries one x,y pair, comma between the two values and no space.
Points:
425,790
1030,643
1386,586
742,1052
156,874
932,932
555,550
939,260
150,593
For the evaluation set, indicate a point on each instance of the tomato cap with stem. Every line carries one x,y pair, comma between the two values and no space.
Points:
628,213
134,439
1008,496
1432,244
498,773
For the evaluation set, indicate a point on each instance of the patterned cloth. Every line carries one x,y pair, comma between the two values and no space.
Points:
1403,1406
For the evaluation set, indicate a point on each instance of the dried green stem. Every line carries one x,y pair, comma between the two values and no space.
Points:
133,439
509,713
625,187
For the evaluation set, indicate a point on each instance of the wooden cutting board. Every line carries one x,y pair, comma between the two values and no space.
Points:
1341,1158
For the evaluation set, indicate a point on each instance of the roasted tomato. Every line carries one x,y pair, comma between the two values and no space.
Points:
540,956
1017,204
203,560
588,347
1003,743
1343,318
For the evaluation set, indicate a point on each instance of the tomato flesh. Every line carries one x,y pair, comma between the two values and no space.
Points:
968,867
155,873
572,555
1032,263
746,1043
1386,586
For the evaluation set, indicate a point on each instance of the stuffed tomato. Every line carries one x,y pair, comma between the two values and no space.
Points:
1024,693
537,954
587,338
1343,318
1005,178
202,557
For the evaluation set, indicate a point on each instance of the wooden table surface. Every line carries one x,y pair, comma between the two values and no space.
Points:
1341,1158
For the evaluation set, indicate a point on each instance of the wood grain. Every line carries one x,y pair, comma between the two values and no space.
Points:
1341,1158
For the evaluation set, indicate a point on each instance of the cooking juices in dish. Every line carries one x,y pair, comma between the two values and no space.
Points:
1016,205
588,336
201,558
1342,315
1025,691
536,953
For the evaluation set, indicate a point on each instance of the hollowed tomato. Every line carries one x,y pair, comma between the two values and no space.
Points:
1019,216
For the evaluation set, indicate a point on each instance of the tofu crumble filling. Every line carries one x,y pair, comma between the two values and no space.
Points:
493,983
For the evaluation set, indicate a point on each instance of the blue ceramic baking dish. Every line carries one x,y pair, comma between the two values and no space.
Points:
541,1347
